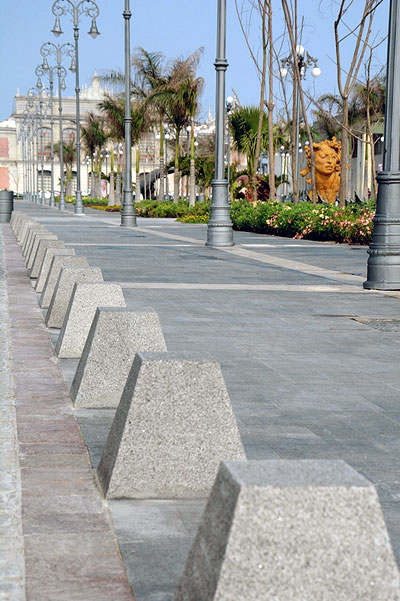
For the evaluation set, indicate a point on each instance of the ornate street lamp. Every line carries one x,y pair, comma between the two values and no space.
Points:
76,10
384,251
128,215
219,229
58,51
39,88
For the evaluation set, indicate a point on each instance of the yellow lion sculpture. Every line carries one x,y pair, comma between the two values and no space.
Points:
327,168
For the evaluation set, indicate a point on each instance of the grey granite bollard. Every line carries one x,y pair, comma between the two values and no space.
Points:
32,239
29,238
173,426
114,338
35,245
46,264
17,221
63,291
299,530
24,230
57,263
85,299
41,250
16,215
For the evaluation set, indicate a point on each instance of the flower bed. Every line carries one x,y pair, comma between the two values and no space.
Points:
352,224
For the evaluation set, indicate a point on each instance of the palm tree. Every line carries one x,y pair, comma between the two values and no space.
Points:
244,122
69,155
191,89
150,80
178,99
94,137
113,108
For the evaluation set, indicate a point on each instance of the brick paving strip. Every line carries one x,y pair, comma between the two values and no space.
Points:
12,565
71,552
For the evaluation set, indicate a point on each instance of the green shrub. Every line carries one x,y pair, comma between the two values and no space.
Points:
352,224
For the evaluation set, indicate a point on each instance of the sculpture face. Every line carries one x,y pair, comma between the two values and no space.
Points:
325,161
327,156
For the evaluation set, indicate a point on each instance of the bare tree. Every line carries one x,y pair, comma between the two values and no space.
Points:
264,9
347,78
292,29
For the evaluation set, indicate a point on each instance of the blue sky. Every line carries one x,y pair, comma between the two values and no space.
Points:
175,27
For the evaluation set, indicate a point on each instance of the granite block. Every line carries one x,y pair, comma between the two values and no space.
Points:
172,428
57,263
15,216
18,222
23,228
29,238
41,250
46,265
30,257
86,297
290,530
67,278
114,338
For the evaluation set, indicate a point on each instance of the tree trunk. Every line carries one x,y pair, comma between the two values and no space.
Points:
99,187
271,149
111,197
118,190
192,200
176,169
294,143
345,153
262,98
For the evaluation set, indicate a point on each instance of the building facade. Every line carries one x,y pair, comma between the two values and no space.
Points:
11,150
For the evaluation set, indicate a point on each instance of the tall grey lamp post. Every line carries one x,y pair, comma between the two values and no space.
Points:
58,51
49,71
39,85
128,215
39,89
384,251
76,9
27,136
219,229
35,145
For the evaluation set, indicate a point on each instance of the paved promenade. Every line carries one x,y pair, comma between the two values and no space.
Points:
311,362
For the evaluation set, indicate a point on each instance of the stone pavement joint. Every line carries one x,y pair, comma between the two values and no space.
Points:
71,553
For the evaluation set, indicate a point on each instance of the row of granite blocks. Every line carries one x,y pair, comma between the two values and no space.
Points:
280,530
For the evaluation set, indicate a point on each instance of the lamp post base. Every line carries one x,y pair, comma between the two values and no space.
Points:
79,210
219,228
384,251
128,216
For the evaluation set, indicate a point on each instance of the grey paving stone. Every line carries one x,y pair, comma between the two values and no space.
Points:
114,338
171,429
256,336
67,278
46,264
86,297
295,530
